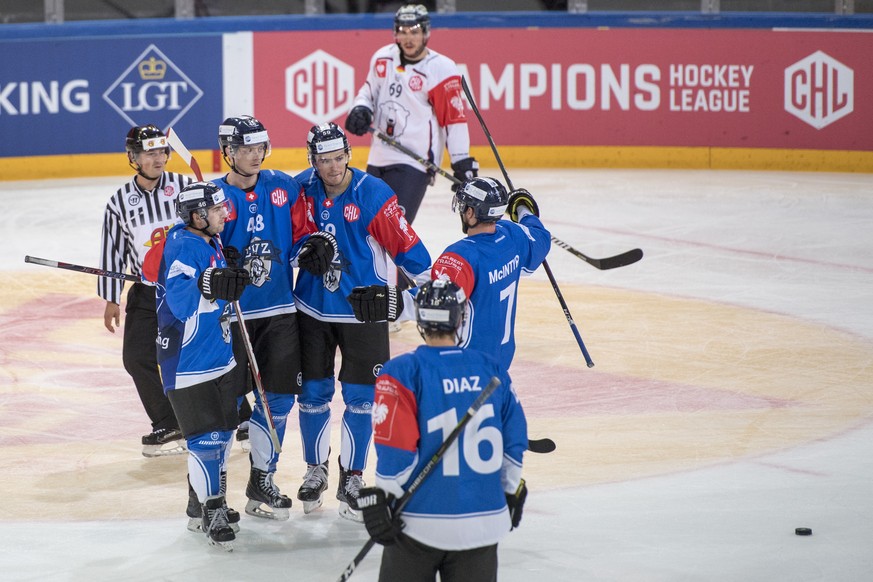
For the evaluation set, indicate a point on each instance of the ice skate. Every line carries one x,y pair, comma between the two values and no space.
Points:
311,493
265,499
214,523
195,510
242,436
163,442
350,485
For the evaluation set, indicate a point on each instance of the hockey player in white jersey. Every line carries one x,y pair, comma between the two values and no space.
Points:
271,225
137,217
413,94
475,495
361,212
194,288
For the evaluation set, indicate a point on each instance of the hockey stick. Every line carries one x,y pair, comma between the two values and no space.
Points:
426,470
541,446
546,267
176,143
81,269
620,260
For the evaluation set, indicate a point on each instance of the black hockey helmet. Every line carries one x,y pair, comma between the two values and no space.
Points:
412,15
324,138
440,307
240,131
198,197
486,196
144,138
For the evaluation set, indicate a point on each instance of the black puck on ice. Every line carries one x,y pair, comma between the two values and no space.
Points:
802,531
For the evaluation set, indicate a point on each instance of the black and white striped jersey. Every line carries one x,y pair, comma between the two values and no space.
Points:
135,220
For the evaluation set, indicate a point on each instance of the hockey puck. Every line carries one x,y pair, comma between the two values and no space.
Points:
802,531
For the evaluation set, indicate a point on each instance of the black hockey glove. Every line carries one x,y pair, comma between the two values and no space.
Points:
359,120
382,525
464,170
515,501
227,284
317,253
521,197
232,256
376,303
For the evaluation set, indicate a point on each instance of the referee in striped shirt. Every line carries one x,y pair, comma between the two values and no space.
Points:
138,217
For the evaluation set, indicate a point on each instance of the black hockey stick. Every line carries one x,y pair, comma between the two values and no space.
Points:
80,269
541,446
621,260
426,470
177,145
546,267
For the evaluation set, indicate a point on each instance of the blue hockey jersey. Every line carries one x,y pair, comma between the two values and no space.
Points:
488,267
194,342
267,225
420,398
367,222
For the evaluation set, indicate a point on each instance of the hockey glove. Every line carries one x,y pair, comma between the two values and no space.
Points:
521,197
359,120
227,284
232,256
515,501
376,303
382,525
317,253
464,170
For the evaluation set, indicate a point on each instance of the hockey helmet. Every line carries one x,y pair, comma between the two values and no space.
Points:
198,197
324,138
145,138
412,15
440,306
242,131
486,196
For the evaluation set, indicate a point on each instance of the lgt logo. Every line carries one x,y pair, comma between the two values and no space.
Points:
819,90
154,84
319,87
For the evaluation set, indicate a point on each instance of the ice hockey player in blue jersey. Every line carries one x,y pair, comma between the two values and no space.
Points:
269,229
194,286
361,212
487,264
475,495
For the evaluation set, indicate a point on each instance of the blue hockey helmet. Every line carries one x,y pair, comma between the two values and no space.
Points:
440,307
242,131
198,197
486,196
412,15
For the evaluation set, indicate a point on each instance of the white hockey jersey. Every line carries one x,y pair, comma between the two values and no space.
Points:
420,105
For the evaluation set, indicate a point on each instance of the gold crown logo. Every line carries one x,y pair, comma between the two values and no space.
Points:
152,69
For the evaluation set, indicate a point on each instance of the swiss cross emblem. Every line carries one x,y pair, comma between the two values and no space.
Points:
251,196
327,203
279,197
416,83
351,213
381,68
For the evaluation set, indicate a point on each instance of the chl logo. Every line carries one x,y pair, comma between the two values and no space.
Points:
319,87
279,197
351,212
819,90
152,88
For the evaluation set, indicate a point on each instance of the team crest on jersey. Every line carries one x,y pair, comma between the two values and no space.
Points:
394,115
331,279
416,83
224,322
134,199
351,212
279,197
259,257
380,412
169,191
381,68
